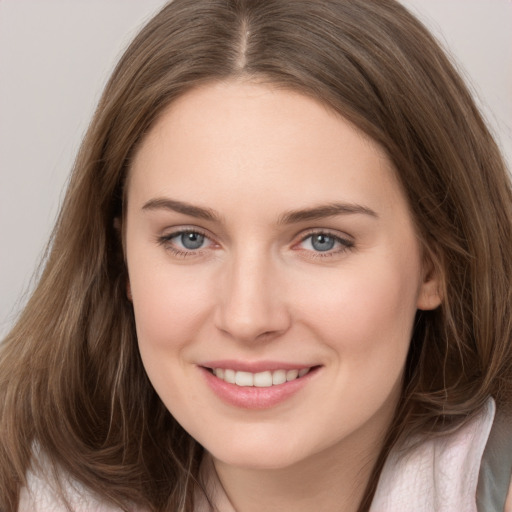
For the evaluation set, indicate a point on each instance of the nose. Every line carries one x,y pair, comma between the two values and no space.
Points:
251,304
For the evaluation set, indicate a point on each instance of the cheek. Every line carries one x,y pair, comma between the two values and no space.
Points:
170,311
170,307
365,318
364,308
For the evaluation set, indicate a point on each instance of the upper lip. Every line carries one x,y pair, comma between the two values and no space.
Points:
254,366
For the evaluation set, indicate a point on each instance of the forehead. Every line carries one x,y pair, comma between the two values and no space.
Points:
223,142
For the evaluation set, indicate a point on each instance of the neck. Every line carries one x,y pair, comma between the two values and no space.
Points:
333,480
298,488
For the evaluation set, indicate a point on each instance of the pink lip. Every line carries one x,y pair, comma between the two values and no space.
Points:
254,366
254,397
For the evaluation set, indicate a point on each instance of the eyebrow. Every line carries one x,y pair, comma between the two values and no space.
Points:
181,207
323,211
291,217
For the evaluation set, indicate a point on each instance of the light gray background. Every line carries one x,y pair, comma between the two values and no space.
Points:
55,56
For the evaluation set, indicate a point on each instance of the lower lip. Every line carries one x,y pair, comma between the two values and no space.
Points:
251,397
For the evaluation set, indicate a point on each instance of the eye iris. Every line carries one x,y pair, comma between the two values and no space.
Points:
322,242
192,240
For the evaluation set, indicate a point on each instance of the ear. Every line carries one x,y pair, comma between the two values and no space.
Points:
430,295
129,290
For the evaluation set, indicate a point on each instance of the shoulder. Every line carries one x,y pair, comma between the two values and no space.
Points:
50,491
439,474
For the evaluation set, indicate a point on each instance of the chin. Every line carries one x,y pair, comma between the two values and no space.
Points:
258,461
260,454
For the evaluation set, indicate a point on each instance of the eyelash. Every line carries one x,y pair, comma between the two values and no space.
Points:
345,244
165,241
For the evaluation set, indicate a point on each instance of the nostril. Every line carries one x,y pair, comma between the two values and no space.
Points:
265,334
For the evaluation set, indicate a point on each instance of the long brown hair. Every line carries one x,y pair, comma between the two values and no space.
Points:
71,378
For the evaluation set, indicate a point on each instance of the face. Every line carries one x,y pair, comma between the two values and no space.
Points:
274,272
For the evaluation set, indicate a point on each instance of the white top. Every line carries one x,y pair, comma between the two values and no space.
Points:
438,475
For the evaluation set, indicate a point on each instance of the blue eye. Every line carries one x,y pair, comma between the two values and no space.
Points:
185,242
327,243
321,242
190,240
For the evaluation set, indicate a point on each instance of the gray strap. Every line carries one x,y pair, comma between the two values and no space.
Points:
496,468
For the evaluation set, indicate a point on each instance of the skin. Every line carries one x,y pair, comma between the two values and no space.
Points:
258,289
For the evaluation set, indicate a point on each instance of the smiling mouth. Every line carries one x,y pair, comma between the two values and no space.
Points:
263,379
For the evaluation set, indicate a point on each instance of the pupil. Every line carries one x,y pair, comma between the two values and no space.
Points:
322,242
192,240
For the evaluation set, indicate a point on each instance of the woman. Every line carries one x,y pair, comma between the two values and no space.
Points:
280,278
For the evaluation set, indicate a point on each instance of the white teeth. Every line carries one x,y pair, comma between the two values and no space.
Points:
262,379
229,376
279,376
244,379
292,374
